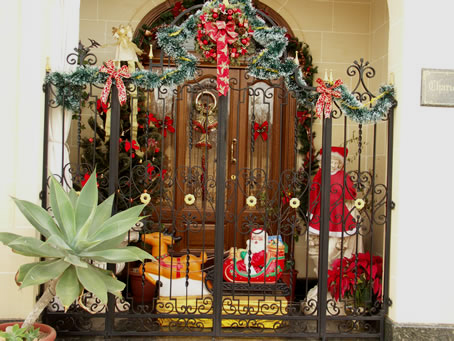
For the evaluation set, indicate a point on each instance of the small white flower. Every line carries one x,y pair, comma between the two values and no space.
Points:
359,204
251,201
189,199
145,198
294,203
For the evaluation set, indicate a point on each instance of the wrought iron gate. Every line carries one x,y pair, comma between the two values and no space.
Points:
218,174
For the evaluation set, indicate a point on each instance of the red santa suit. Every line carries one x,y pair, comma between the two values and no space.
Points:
258,255
340,218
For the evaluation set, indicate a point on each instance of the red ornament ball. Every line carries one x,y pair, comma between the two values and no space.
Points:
234,50
244,41
90,139
229,17
230,12
215,15
205,42
240,24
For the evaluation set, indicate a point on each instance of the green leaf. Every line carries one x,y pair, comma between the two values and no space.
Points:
63,209
127,254
103,212
44,271
119,224
75,260
100,245
6,237
25,268
58,242
92,281
73,196
39,218
112,284
68,287
35,247
87,202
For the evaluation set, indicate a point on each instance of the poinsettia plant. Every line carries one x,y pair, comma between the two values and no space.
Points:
356,277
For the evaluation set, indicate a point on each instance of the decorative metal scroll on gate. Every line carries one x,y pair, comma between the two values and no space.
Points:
254,232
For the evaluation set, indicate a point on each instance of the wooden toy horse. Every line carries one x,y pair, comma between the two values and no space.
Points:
179,276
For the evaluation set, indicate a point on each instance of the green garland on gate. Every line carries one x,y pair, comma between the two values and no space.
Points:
267,64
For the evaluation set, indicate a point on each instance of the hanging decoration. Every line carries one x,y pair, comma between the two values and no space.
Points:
163,125
266,64
325,99
261,130
109,68
223,35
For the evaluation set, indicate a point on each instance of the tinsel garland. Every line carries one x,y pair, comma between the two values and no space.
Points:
267,64
360,112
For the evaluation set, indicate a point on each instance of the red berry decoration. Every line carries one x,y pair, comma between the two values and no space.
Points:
215,15
90,139
243,41
205,42
234,50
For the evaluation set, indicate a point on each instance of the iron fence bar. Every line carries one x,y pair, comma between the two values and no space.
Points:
221,152
389,207
43,194
113,182
324,225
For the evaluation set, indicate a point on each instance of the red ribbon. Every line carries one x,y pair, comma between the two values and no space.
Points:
166,124
109,68
302,116
223,34
101,107
325,100
261,130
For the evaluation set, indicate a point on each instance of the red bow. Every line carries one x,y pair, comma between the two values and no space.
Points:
261,130
223,34
152,169
131,145
325,99
166,124
109,68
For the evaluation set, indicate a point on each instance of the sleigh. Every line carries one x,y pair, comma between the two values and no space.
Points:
271,271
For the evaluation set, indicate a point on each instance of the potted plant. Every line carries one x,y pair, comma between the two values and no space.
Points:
80,231
358,279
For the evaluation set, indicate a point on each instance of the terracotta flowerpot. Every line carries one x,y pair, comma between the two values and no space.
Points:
49,333
135,280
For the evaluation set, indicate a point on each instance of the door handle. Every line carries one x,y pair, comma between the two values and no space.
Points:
232,151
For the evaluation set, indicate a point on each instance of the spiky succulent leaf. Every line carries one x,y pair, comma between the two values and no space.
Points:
87,203
62,209
118,224
73,196
100,245
92,281
25,268
112,284
68,286
39,218
103,212
128,254
75,260
35,248
43,272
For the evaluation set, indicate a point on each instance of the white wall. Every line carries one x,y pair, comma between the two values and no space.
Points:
24,24
422,275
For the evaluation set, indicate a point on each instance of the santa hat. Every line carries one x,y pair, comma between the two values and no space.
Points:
258,230
337,152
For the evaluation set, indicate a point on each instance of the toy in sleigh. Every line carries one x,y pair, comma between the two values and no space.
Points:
263,260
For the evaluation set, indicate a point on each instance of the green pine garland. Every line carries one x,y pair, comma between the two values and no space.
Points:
267,64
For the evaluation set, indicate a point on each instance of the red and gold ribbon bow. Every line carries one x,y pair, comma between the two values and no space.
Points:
165,124
109,68
223,34
261,130
325,100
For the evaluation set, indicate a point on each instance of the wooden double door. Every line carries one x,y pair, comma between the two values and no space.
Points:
260,150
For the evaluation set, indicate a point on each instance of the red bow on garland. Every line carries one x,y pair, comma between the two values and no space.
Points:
325,100
166,124
261,130
152,171
223,34
131,145
302,116
109,68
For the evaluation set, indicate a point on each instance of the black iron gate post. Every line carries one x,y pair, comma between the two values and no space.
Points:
324,226
221,154
113,182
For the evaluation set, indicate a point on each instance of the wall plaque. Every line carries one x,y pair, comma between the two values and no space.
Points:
437,88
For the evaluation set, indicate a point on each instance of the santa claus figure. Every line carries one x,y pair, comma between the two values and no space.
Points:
255,260
342,194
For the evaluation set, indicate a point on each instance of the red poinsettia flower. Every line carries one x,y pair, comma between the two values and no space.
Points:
177,9
164,125
131,146
101,107
85,179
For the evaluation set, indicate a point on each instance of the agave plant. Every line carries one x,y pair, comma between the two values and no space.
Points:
80,231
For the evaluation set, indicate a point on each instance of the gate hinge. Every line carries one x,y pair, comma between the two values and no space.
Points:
393,205
389,302
41,195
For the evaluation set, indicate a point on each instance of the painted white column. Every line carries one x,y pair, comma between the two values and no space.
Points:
422,225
